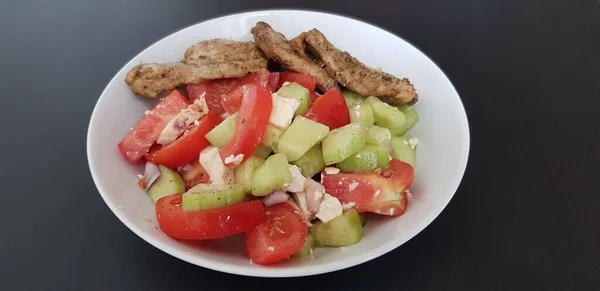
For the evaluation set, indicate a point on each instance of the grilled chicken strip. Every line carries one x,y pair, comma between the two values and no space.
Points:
279,49
206,60
355,75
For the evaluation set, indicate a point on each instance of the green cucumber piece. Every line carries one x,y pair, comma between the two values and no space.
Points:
362,114
368,159
262,151
377,135
412,117
243,172
306,248
206,197
273,174
311,162
343,142
168,183
298,92
403,151
223,133
352,97
342,231
301,136
387,116
272,136
363,218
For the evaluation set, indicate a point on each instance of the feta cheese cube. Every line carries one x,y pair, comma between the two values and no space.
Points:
300,199
329,209
283,111
217,171
298,180
236,160
331,170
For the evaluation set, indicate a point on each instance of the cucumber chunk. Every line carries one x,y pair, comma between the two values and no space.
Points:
273,174
403,150
243,172
343,142
311,162
342,231
307,248
223,133
272,136
298,92
362,114
352,97
412,118
206,197
168,183
301,136
387,116
262,151
377,135
368,159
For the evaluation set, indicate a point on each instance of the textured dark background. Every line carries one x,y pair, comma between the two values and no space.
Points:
526,217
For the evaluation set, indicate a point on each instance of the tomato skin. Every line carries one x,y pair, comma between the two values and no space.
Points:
193,174
280,234
212,91
252,122
306,81
272,85
144,133
187,147
330,109
381,193
314,96
232,100
211,224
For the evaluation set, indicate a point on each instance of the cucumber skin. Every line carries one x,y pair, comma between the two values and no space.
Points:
300,137
223,132
307,248
387,116
206,197
412,117
273,174
243,172
368,159
272,136
311,163
337,146
169,183
403,152
342,231
352,97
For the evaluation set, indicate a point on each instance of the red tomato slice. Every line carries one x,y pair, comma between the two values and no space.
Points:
307,81
381,193
314,96
280,234
193,174
188,146
252,122
330,109
232,100
143,135
273,82
210,224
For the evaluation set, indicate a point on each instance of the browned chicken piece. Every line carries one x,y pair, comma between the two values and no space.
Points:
279,49
355,75
152,79
224,51
206,60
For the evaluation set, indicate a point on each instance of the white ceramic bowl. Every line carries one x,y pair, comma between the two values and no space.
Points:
442,152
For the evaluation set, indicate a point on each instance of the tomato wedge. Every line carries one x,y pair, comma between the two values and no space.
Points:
307,81
382,193
280,234
143,135
213,91
314,96
187,147
232,100
211,224
273,82
193,174
252,122
330,109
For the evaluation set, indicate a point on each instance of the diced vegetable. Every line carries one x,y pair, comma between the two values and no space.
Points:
207,197
307,248
273,174
307,81
273,81
311,162
232,100
387,116
342,231
193,174
377,135
330,109
382,193
361,114
243,172
208,224
343,142
353,98
412,117
168,183
301,136
404,149
368,159
215,167
223,133
272,136
297,92
144,133
262,151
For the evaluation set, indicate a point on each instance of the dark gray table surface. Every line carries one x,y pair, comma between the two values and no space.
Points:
526,216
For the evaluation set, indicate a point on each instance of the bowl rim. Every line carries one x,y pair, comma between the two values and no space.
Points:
251,270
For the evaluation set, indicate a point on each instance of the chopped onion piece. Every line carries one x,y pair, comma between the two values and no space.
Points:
151,174
275,197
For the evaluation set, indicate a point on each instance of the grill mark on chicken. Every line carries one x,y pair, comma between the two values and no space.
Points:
278,48
355,75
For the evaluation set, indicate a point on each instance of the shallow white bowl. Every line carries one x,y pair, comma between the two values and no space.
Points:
442,152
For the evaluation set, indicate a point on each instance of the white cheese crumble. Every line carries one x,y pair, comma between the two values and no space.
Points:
236,160
182,121
413,141
196,122
329,209
347,206
147,112
298,180
352,186
283,111
217,171
270,249
377,193
331,170
408,194
301,202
